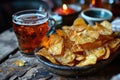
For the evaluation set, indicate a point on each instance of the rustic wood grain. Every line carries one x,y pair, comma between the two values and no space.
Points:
9,68
10,71
8,43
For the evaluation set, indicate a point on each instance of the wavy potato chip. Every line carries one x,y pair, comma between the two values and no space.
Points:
66,58
80,57
82,39
61,32
68,43
76,48
102,30
78,28
45,42
115,49
91,32
114,43
70,64
79,24
72,35
107,53
89,60
105,38
106,25
56,45
90,45
66,27
98,52
44,52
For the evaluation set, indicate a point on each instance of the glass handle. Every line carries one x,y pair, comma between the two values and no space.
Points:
51,25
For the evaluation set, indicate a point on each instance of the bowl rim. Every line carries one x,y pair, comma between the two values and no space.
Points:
97,9
46,62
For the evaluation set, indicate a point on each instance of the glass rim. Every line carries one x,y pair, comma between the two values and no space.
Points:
15,15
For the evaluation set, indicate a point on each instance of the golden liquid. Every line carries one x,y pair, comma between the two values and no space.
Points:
29,36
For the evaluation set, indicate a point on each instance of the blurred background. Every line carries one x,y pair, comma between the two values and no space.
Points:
8,7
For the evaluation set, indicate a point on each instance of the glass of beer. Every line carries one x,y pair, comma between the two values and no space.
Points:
30,26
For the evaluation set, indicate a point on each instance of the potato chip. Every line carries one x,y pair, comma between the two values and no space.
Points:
72,34
105,38
70,64
68,43
107,53
80,57
114,43
115,49
89,60
91,32
98,52
78,28
54,38
66,58
61,32
43,52
76,48
45,42
56,45
82,39
92,45
106,25
66,27
79,24
102,30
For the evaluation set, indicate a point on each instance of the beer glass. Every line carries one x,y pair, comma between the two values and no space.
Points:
30,26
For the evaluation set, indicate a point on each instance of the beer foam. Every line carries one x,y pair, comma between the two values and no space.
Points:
30,19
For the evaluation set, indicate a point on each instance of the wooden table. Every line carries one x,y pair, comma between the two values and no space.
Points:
33,70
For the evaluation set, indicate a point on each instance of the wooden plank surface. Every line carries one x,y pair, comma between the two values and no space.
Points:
8,43
33,70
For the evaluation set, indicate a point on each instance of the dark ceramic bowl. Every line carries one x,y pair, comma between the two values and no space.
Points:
68,19
92,15
75,71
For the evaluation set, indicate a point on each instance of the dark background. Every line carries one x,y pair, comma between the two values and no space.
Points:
8,7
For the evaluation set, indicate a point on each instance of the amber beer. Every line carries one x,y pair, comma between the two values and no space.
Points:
30,28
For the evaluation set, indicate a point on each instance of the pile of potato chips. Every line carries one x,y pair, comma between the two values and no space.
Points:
80,44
